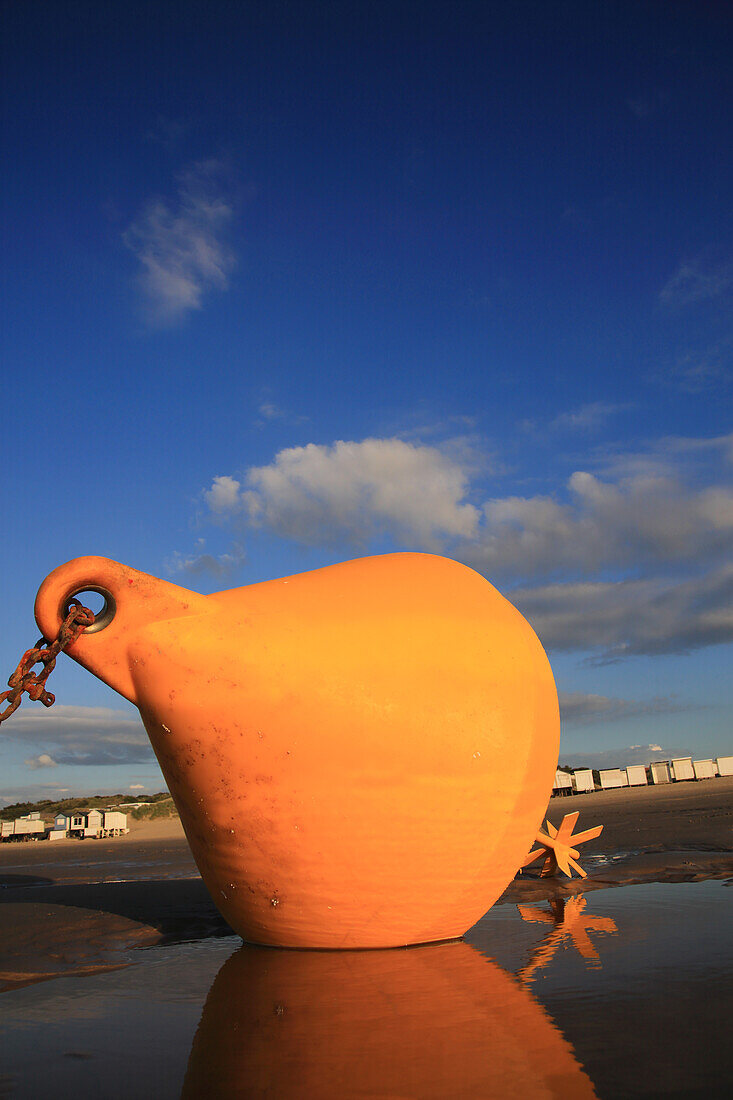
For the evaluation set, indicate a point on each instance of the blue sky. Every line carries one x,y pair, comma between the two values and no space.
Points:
290,283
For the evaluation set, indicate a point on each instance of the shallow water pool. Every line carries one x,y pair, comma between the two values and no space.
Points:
618,992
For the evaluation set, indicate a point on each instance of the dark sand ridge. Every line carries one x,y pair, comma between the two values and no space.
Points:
78,907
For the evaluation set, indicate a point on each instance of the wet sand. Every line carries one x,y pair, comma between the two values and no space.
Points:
77,907
680,832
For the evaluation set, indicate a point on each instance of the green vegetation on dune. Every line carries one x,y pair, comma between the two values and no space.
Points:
164,808
49,808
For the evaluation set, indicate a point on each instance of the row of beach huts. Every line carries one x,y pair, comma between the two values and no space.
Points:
82,824
639,775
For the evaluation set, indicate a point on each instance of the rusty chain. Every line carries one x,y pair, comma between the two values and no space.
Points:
25,680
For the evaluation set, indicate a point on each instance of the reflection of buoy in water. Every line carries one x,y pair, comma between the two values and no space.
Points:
360,755
428,1022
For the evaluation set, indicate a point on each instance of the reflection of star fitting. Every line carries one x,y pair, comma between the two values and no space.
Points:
558,846
570,921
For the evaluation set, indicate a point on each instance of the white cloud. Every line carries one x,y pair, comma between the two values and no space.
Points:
353,492
43,760
223,496
82,735
629,539
639,520
641,514
136,787
181,246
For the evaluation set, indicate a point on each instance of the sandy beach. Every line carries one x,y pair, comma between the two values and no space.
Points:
76,907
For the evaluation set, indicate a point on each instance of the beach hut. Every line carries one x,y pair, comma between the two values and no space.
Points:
611,778
27,827
660,771
682,769
563,783
636,775
725,765
583,780
77,823
704,769
114,824
93,827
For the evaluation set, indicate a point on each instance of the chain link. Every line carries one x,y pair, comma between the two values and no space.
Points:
34,684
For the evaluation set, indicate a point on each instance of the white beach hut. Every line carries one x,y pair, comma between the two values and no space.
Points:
563,784
660,771
115,823
77,823
682,769
611,778
93,827
583,780
27,827
636,775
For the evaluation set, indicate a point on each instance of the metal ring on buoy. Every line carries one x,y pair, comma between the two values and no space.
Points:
102,618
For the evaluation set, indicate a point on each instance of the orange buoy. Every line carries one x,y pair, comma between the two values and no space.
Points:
361,755
429,1022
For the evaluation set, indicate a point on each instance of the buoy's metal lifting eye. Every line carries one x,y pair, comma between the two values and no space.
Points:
103,617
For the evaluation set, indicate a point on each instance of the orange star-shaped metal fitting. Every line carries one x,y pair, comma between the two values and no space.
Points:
558,846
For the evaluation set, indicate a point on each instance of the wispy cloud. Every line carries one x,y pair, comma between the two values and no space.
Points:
81,735
586,417
581,707
618,758
702,370
181,245
631,617
693,459
697,280
202,562
270,412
